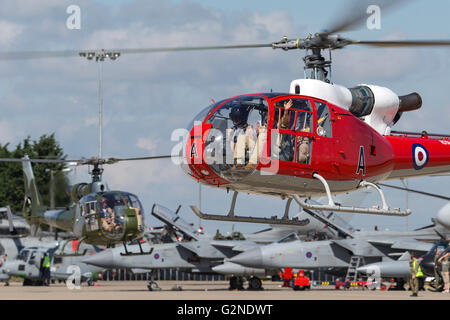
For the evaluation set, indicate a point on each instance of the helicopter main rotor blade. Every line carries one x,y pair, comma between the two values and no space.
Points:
23,55
114,160
356,15
85,161
416,191
38,160
404,43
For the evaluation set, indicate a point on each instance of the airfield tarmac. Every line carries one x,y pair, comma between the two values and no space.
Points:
198,290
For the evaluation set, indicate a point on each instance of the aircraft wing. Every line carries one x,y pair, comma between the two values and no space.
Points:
403,244
203,249
238,245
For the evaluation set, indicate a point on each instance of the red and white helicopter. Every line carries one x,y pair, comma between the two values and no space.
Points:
318,139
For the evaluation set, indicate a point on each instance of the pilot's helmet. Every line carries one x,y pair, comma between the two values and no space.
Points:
238,115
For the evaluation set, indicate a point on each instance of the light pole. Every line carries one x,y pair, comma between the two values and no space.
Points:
100,56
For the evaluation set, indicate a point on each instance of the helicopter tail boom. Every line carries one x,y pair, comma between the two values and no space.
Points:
419,154
32,196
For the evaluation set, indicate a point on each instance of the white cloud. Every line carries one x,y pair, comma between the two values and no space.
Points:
148,96
149,144
10,32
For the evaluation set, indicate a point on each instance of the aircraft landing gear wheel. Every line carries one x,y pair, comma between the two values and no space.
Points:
153,286
254,283
236,283
27,282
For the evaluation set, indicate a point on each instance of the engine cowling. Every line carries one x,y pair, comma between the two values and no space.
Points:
80,190
378,106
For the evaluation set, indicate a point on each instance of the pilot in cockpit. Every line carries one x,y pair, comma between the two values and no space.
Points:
107,216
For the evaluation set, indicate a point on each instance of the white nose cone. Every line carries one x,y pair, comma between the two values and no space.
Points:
443,216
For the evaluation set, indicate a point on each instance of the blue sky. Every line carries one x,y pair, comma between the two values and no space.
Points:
146,97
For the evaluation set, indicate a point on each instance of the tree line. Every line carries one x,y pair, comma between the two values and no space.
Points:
12,190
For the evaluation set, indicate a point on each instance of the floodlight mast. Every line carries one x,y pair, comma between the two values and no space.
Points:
100,57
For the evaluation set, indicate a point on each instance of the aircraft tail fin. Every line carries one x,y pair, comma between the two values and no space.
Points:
33,198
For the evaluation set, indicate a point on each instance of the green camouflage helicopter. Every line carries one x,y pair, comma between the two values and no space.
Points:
97,215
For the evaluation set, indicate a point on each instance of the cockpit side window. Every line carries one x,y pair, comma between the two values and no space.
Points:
324,127
23,255
292,127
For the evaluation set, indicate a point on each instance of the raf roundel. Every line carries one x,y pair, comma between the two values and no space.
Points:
156,256
309,254
419,155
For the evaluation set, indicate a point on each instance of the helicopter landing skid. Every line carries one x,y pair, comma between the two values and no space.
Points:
331,206
75,254
231,217
273,220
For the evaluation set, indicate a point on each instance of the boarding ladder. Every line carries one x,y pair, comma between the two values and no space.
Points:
352,273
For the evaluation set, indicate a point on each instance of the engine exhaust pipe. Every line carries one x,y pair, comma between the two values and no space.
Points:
410,102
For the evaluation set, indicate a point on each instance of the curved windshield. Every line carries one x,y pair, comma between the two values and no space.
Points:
23,255
289,238
200,117
237,137
112,216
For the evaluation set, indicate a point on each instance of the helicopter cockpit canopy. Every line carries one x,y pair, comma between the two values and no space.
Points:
237,136
108,212
23,255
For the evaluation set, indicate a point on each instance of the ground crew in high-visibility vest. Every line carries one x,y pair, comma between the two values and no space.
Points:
45,269
416,273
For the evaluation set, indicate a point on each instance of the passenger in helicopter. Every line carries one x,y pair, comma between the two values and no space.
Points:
242,136
287,142
303,143
261,133
106,216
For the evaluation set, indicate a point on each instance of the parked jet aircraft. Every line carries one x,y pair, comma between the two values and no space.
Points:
400,268
27,264
208,254
19,252
361,247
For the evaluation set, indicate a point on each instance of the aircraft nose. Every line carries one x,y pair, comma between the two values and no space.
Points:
221,268
104,259
249,258
443,216
362,269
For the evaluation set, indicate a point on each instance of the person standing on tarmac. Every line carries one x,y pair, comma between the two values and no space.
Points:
45,269
438,281
445,265
416,272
